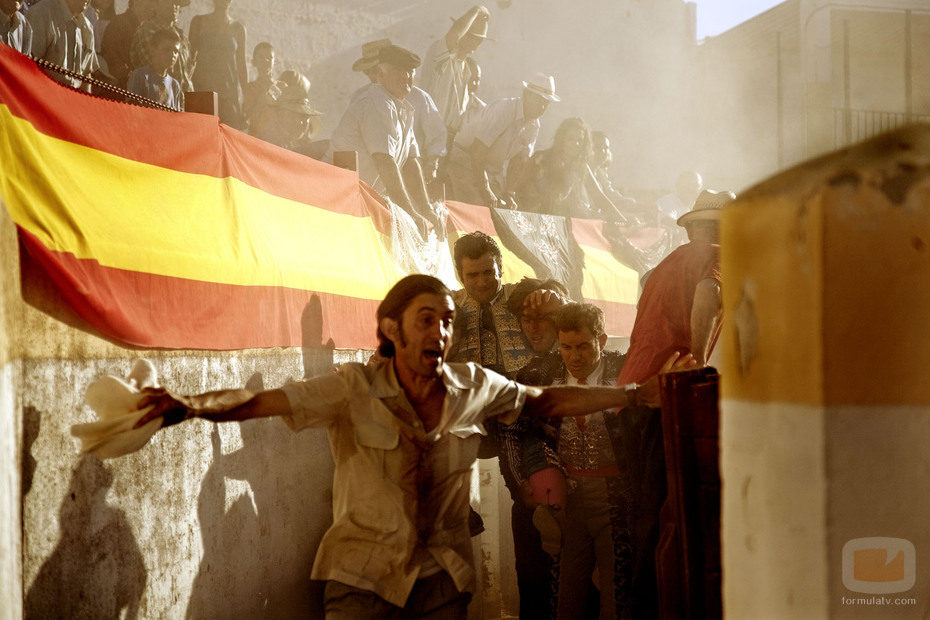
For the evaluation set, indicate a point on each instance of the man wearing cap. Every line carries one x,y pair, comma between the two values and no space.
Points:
289,120
446,72
497,143
379,125
679,309
428,127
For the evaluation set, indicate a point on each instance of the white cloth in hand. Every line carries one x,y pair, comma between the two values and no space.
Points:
114,402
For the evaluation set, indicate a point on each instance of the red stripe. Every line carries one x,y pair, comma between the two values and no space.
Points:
152,311
186,142
618,317
469,218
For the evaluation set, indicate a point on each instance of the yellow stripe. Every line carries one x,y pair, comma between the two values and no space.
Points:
607,279
514,269
100,206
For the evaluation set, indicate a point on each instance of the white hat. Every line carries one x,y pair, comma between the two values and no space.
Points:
707,206
544,86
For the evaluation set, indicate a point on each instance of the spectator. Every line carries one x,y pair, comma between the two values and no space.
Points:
153,81
447,73
558,180
15,31
63,36
679,309
117,39
99,13
378,125
498,143
165,16
289,121
218,43
475,104
264,90
429,130
601,159
368,64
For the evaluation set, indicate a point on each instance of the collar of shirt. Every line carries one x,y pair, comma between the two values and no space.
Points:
385,385
593,378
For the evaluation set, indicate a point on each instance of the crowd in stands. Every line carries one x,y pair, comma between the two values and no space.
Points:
418,126
583,532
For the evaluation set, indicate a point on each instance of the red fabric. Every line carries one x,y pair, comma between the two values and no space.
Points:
186,142
663,318
154,311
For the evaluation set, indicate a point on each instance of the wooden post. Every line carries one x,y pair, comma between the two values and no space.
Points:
202,102
346,159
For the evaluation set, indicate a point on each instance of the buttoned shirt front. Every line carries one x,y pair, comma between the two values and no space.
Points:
376,122
16,32
400,494
502,127
63,38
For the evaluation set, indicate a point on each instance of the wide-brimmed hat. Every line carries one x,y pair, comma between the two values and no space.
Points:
369,59
707,206
542,85
400,57
295,97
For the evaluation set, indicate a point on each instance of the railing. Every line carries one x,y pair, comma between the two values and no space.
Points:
850,126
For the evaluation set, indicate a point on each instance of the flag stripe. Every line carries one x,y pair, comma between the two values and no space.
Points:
148,310
186,142
98,206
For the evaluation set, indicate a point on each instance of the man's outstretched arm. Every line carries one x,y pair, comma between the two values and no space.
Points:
219,406
575,400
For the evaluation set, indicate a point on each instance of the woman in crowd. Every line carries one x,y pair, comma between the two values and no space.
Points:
559,181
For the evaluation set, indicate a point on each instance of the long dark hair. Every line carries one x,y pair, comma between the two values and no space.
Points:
397,300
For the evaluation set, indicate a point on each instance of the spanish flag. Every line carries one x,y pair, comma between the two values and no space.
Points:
170,230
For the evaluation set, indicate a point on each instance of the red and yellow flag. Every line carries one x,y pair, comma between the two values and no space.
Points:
171,230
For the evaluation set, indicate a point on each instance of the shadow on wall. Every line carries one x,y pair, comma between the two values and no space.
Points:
259,550
96,570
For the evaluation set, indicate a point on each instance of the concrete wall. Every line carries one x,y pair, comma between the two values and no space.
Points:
825,404
206,520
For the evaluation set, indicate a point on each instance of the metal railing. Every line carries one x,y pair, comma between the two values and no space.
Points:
850,126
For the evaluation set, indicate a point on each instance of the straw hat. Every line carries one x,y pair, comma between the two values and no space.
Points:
399,57
369,59
707,207
544,86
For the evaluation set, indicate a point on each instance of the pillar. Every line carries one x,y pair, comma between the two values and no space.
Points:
825,402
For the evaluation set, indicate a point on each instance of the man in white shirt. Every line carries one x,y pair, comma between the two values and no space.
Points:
379,126
446,71
497,143
62,35
404,434
15,31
